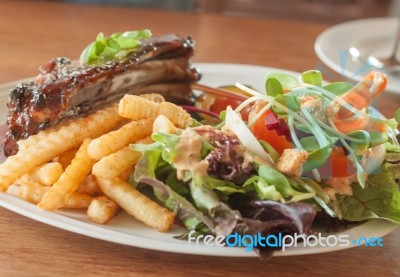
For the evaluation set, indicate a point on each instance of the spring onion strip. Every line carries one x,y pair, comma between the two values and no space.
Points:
245,103
293,135
316,174
353,157
259,114
367,138
317,198
392,136
298,145
321,138
326,208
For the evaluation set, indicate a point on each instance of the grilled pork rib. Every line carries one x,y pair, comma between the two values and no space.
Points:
67,88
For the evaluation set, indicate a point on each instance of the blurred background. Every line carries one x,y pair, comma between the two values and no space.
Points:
326,11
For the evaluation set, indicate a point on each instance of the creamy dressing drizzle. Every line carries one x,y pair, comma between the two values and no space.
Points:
188,151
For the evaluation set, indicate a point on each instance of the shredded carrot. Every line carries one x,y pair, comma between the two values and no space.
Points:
350,124
360,96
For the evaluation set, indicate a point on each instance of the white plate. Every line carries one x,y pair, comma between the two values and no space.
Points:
126,230
373,37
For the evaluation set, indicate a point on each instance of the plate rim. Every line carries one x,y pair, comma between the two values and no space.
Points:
331,62
61,221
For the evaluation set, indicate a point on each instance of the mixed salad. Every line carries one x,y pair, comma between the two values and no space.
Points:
280,161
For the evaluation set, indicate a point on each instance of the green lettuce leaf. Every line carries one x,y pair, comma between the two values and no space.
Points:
272,185
379,199
224,218
186,212
225,187
150,160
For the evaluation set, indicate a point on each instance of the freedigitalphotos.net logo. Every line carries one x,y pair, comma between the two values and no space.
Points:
282,241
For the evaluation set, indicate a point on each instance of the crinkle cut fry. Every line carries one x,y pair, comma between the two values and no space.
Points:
47,174
137,204
33,192
113,141
135,107
116,163
102,209
54,143
69,181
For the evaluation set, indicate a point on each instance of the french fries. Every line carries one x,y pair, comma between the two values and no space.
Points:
70,180
66,158
47,174
135,107
163,125
124,176
116,140
56,143
137,204
102,209
25,144
77,201
33,192
85,163
115,164
177,115
90,186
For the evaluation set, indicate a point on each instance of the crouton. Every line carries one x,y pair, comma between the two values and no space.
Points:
291,162
341,185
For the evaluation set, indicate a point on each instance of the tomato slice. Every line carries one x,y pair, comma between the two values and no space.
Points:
337,165
221,103
279,143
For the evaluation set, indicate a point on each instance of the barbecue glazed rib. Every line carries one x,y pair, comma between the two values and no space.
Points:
67,88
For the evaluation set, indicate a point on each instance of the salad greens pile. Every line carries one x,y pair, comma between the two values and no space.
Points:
218,194
375,192
222,179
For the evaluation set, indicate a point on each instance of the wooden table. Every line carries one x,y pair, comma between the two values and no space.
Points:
34,32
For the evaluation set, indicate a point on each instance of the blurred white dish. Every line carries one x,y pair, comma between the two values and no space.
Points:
374,37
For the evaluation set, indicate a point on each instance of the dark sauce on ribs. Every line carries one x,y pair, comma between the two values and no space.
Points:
66,88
